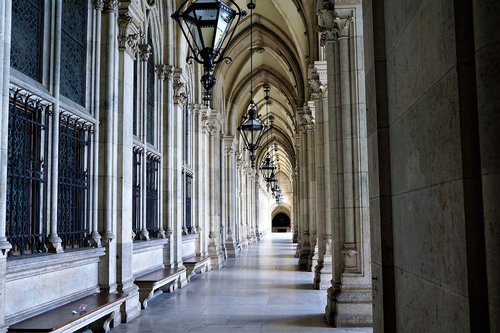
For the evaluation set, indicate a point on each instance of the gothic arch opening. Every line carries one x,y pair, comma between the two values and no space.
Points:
281,223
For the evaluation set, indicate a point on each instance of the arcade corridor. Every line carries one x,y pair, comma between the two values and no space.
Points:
259,291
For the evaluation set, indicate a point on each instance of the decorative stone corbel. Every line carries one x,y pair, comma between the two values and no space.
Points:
327,26
315,87
180,92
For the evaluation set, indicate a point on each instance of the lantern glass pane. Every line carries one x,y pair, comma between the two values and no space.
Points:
226,16
195,34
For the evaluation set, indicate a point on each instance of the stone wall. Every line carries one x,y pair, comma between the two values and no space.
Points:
36,284
426,185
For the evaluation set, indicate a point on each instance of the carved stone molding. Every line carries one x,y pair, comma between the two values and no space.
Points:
205,124
164,72
127,40
327,26
144,51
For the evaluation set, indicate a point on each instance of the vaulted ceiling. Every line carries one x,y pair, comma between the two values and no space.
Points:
284,44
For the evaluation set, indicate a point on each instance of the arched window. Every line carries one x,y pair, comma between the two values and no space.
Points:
74,50
150,108
27,175
27,37
73,192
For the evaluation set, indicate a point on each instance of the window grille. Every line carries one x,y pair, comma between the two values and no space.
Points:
150,129
74,50
136,191
26,175
27,37
73,192
188,202
152,167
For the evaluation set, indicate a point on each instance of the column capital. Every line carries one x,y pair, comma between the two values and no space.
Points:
194,109
144,51
332,27
110,5
164,72
98,4
344,25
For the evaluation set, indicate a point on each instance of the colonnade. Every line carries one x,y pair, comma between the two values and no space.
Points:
332,178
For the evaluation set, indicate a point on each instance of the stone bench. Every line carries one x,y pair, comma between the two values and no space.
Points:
99,316
197,265
165,279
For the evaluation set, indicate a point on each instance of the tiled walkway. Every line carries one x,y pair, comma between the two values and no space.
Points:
260,291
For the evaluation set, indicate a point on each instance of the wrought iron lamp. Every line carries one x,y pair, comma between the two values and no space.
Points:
267,166
251,129
205,24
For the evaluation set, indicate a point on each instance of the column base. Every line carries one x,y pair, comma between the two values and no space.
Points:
183,281
131,308
349,308
233,250
323,274
304,256
313,258
216,256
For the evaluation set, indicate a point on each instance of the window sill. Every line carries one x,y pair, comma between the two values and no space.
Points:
18,268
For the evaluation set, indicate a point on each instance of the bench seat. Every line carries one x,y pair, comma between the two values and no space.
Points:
102,310
166,279
197,265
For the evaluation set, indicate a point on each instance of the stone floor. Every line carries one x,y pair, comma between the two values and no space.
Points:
260,291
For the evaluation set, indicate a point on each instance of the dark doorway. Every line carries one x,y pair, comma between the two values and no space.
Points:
281,223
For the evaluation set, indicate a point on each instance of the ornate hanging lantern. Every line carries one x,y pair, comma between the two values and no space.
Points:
205,25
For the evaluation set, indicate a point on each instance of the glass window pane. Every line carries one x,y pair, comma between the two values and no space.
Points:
74,50
27,37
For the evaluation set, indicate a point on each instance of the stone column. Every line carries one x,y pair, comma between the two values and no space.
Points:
295,224
323,268
95,237
127,46
215,248
241,201
176,133
108,124
5,246
53,239
304,249
204,178
256,206
349,297
487,62
143,54
310,184
230,188
198,178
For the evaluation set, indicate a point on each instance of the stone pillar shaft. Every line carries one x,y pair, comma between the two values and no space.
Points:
54,241
5,246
